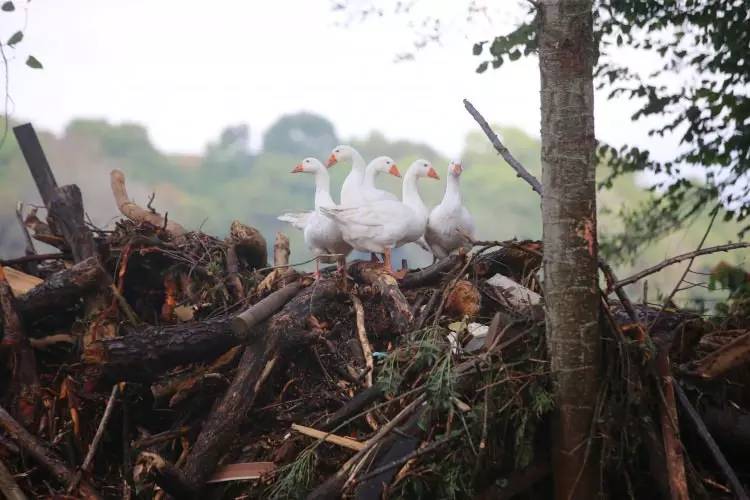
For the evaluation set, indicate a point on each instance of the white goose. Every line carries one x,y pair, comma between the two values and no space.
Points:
370,193
450,222
367,190
322,235
351,189
383,225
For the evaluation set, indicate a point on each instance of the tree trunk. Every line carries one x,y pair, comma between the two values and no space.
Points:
569,235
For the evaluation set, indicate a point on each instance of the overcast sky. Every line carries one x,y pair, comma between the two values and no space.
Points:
186,69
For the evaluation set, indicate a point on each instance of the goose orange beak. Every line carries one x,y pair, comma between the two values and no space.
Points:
297,168
394,171
332,160
432,173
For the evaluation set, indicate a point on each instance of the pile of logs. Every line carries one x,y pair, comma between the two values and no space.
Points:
151,361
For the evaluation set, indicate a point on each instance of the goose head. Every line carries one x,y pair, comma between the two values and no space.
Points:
340,153
384,164
455,168
309,166
423,168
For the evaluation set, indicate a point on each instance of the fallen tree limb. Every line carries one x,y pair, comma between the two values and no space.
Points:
143,355
221,426
246,320
721,461
500,148
63,289
432,274
734,354
135,212
679,258
43,455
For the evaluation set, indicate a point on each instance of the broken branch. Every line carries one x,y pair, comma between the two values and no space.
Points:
136,213
500,148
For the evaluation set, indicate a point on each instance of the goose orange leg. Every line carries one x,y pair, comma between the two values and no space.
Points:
316,274
389,266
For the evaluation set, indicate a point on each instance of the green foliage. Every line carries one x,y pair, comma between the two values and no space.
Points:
33,62
737,281
229,157
17,37
700,43
295,479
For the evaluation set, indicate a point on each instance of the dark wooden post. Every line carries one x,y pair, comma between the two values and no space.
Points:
64,204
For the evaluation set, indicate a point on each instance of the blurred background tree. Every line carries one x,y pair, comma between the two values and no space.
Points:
301,134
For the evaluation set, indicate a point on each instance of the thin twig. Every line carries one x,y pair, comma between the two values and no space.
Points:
352,444
97,437
676,288
500,148
363,341
680,258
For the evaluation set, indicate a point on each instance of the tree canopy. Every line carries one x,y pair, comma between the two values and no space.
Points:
301,134
698,91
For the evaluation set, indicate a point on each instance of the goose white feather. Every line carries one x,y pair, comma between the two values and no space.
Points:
385,224
370,193
322,236
450,221
351,189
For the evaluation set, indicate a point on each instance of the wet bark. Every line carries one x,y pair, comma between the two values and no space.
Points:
569,237
143,355
62,290
231,412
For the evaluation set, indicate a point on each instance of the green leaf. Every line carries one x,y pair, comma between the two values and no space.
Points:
482,67
477,49
33,62
8,7
17,37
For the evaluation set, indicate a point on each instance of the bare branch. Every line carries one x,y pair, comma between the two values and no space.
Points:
500,147
679,258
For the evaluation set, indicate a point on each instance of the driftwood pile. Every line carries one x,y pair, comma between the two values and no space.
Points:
150,362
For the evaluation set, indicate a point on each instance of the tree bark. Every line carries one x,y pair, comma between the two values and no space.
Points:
232,411
62,290
42,454
144,355
566,55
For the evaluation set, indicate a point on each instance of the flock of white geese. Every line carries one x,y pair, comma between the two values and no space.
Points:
370,219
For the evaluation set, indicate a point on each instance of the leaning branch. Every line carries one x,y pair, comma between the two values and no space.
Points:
137,213
42,454
500,148
679,258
